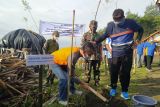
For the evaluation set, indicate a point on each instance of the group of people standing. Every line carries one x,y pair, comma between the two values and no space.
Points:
119,36
145,51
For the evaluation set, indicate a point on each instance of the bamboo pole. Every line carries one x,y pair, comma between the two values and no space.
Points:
97,9
151,35
69,72
87,87
97,94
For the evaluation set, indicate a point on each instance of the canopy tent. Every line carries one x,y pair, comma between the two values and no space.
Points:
21,38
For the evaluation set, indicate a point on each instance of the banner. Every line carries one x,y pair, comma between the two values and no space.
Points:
47,28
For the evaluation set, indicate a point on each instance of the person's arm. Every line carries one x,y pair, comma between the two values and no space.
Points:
107,33
140,33
108,48
136,28
101,38
71,65
139,36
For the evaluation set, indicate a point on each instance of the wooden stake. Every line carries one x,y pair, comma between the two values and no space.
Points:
40,96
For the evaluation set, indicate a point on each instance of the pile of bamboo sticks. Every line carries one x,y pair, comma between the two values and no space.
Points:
16,81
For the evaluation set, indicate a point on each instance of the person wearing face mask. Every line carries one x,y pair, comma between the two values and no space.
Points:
62,64
121,31
150,47
95,60
50,46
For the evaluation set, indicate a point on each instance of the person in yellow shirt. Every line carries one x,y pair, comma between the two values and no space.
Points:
61,66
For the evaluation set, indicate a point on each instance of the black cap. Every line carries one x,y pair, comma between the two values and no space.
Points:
118,14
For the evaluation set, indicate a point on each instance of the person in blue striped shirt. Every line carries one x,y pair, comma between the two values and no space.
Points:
121,31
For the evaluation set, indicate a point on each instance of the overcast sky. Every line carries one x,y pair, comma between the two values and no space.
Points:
12,12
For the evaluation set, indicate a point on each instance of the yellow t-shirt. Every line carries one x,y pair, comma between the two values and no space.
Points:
61,55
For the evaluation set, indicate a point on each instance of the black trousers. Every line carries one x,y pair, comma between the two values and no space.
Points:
95,64
121,67
145,61
109,64
149,61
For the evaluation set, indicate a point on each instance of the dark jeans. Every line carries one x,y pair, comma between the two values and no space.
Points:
149,61
62,75
95,64
121,66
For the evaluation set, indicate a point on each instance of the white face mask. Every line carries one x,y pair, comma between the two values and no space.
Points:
120,22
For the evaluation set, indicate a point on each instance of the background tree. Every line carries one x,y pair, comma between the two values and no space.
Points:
131,15
152,10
